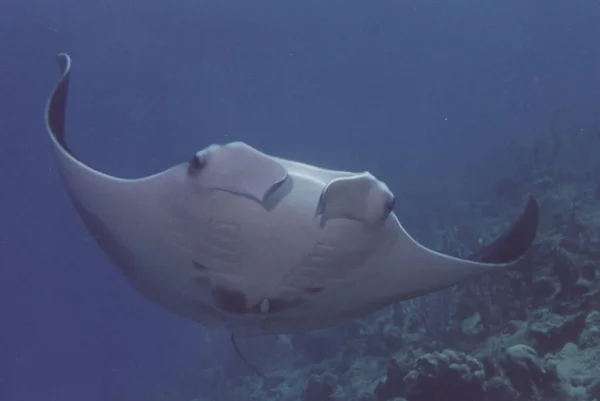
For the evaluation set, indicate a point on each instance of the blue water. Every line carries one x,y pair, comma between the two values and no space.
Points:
425,94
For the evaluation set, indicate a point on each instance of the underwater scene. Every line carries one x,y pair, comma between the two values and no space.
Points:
300,200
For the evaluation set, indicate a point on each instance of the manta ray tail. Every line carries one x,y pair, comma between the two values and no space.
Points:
243,358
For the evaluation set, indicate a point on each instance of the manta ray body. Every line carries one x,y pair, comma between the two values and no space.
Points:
240,239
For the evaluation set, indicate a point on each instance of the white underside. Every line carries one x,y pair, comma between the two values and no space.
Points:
168,222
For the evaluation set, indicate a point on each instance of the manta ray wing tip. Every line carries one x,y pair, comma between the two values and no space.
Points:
63,60
515,242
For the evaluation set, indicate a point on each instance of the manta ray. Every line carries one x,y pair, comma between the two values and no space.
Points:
236,238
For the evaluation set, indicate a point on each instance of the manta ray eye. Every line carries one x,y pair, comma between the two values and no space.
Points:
196,163
391,204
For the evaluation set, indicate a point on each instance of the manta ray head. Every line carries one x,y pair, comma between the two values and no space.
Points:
237,168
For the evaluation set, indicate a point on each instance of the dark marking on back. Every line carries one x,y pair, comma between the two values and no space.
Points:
314,290
229,300
119,255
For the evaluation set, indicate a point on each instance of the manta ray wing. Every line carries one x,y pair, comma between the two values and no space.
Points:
131,219
413,270
440,271
408,270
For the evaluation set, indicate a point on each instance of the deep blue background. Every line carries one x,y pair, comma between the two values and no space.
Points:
425,94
